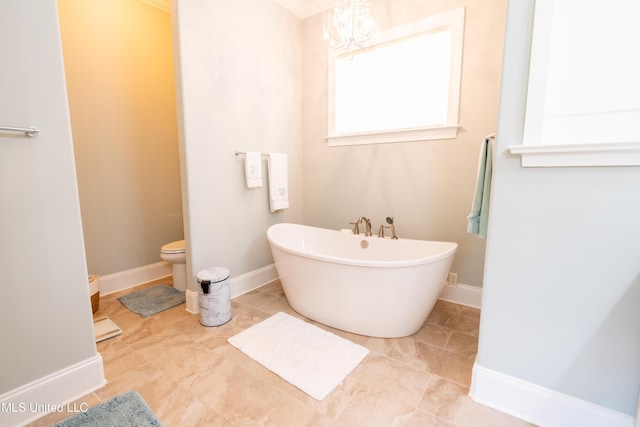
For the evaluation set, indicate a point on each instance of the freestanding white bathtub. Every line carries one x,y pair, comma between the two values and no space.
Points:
366,285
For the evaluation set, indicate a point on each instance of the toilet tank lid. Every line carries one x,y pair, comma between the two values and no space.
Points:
173,247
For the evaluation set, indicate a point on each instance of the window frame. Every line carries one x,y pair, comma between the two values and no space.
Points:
454,20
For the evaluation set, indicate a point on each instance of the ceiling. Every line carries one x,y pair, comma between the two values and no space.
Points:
305,8
300,8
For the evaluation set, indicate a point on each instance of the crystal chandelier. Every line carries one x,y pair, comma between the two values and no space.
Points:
350,23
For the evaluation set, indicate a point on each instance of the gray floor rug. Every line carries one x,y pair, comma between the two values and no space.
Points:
152,300
126,410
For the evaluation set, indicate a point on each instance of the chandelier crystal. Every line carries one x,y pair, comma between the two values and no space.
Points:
350,23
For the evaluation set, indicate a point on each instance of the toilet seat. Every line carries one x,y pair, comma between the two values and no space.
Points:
176,247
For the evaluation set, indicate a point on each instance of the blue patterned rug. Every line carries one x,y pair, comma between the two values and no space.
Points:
152,300
127,410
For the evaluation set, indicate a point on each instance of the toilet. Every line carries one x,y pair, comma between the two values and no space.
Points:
176,254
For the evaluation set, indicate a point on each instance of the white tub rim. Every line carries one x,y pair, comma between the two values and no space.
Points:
448,249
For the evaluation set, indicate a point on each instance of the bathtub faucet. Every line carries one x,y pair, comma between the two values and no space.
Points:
356,229
393,228
367,224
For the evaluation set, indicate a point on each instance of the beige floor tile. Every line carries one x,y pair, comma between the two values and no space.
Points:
376,345
118,358
212,335
256,299
468,325
451,402
192,413
125,319
174,361
444,313
425,357
244,316
191,376
420,419
277,305
331,406
274,287
461,343
470,311
433,334
132,380
289,411
374,408
238,395
384,376
455,317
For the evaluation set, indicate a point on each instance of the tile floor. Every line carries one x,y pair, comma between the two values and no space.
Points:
190,376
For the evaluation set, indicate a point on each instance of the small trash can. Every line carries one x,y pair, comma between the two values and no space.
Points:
214,296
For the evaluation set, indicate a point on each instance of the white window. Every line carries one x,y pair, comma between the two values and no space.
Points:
406,87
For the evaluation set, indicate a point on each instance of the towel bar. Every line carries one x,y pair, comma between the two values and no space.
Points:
30,132
243,152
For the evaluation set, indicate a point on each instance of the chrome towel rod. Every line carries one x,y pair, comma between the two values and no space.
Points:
243,152
30,132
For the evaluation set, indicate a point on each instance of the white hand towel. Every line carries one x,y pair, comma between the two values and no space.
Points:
253,169
278,181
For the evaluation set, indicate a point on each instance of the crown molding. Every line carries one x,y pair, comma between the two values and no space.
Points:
300,8
305,8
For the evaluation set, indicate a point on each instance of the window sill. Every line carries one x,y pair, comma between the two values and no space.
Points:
404,135
601,154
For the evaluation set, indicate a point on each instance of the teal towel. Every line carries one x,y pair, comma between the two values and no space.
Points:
479,216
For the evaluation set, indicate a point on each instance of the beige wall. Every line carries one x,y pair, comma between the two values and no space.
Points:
119,69
427,186
239,67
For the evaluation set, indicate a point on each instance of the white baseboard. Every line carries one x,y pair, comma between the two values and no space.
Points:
52,393
462,294
253,280
539,405
122,280
191,299
238,285
637,423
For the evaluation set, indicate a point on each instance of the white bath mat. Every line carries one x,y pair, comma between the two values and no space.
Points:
104,328
310,358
